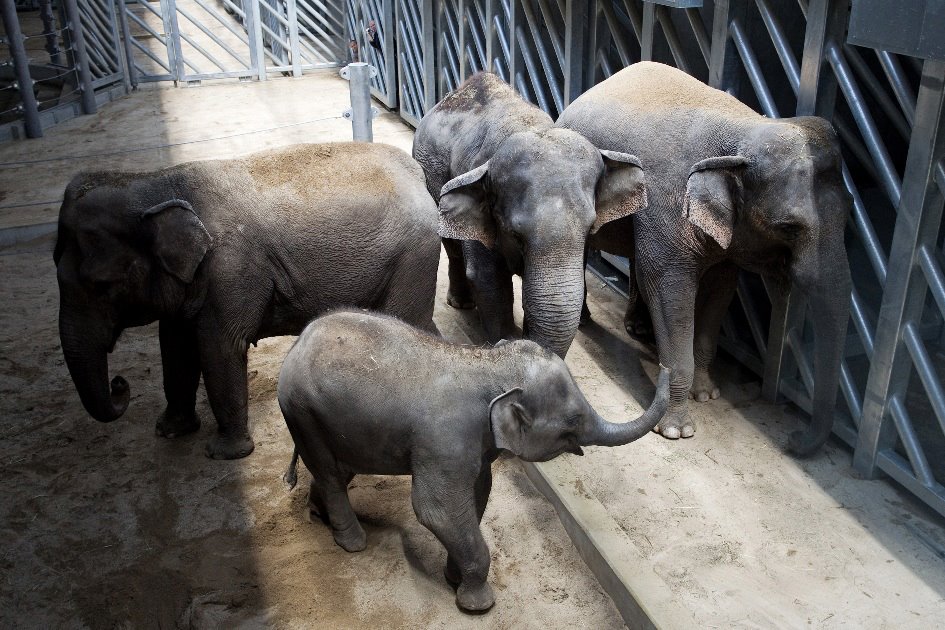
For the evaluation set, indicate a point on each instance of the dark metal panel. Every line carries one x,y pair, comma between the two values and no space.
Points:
909,27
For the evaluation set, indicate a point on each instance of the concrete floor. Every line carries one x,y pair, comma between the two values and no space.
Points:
721,530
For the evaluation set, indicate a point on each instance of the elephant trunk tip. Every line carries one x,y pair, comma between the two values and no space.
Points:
806,443
119,399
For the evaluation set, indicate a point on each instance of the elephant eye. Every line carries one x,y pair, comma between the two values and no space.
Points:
789,230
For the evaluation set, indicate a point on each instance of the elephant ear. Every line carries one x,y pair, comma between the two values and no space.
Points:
621,190
464,208
509,421
712,194
179,238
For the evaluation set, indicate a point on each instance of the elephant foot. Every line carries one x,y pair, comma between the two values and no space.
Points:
475,599
676,424
703,387
352,539
230,447
639,326
460,299
172,424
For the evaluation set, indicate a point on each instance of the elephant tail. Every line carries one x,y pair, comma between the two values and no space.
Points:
291,476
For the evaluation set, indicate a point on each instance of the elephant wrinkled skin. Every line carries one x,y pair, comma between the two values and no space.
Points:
225,252
728,188
517,196
365,393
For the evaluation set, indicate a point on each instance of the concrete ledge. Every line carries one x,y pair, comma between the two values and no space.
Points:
13,235
642,597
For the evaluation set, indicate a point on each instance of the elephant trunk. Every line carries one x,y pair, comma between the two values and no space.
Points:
86,355
552,296
603,433
829,299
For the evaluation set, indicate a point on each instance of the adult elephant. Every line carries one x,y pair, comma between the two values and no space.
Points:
728,188
226,252
518,196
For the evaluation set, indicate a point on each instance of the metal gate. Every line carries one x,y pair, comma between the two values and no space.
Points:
193,40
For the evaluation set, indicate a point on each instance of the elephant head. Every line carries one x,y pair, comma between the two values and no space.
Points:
780,207
119,264
548,414
535,202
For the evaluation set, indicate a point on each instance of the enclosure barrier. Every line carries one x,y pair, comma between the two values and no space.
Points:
877,76
783,58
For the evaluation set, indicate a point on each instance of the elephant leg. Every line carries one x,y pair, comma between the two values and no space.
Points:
459,294
223,363
492,284
410,295
637,321
329,495
482,490
448,507
671,294
180,362
715,294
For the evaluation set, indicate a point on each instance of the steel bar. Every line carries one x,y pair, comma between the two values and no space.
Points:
755,73
826,21
14,36
917,224
897,81
698,30
781,44
672,39
888,177
648,31
612,25
295,52
910,442
49,31
80,57
866,76
926,371
575,45
874,250
933,275
257,49
549,73
861,323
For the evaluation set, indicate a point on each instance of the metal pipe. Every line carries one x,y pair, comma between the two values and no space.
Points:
901,88
698,30
80,57
781,44
359,83
878,91
910,441
755,74
888,177
861,323
34,128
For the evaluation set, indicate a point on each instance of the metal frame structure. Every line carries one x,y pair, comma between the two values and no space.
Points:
782,59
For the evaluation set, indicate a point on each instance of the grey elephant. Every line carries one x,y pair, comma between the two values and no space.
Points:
226,252
728,188
517,196
366,393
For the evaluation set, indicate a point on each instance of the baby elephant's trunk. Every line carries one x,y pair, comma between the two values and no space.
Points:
291,476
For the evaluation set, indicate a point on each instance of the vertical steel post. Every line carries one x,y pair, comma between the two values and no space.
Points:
492,36
359,84
34,128
463,27
294,48
575,47
917,223
257,49
724,70
130,70
429,60
49,30
516,58
80,57
648,31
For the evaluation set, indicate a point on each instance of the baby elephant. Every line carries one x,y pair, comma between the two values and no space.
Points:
366,393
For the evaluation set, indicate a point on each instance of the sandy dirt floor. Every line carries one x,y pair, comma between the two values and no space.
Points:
108,526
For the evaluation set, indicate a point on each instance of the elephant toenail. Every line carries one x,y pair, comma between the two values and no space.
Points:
671,433
688,431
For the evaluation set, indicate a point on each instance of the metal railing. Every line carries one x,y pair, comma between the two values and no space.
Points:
783,59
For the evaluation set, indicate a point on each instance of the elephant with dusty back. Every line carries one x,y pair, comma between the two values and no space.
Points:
226,252
728,188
